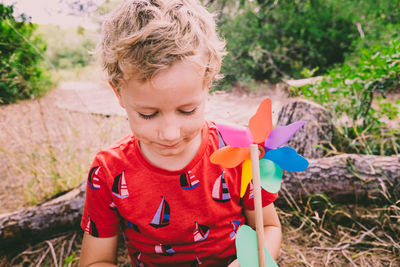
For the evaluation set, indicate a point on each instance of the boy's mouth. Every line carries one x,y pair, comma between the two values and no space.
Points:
169,145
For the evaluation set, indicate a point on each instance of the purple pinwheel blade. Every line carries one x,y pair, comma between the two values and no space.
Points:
235,137
287,158
270,176
281,134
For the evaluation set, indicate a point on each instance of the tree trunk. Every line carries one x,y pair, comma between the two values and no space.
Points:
346,178
42,221
317,131
342,178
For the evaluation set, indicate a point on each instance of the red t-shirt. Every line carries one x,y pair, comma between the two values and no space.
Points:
173,218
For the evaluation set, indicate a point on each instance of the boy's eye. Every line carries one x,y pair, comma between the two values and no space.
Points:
188,112
147,116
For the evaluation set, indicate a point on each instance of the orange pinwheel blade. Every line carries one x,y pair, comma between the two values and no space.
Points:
260,124
230,157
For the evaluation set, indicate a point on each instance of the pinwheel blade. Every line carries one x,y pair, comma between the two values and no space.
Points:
246,176
233,136
270,175
281,134
230,157
260,124
287,158
246,248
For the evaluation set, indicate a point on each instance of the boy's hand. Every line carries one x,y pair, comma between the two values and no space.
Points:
234,263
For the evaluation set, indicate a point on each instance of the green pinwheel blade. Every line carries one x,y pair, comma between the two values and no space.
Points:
270,175
246,249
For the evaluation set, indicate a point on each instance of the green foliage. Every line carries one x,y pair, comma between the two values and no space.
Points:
349,92
267,41
273,40
69,48
23,73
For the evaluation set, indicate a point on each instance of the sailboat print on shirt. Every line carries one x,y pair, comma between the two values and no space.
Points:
91,228
137,256
188,180
93,180
119,188
161,218
196,263
112,206
221,142
201,232
235,225
220,191
165,250
251,190
133,226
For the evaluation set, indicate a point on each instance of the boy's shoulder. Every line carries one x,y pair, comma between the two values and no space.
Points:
119,149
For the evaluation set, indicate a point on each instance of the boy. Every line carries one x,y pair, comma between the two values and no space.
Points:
175,208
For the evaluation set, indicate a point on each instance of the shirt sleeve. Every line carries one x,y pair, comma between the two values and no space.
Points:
248,198
100,217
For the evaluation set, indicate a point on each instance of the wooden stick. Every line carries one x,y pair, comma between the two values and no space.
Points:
255,169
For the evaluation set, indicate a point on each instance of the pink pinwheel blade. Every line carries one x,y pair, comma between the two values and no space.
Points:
281,134
235,137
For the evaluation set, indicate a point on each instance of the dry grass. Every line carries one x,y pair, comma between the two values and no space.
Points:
45,150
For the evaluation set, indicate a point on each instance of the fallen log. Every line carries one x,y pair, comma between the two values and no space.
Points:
341,178
346,178
43,221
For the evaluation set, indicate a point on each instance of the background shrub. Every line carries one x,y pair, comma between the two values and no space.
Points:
23,72
269,42
356,92
69,48
274,40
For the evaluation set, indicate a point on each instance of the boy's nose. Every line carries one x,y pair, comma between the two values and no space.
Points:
169,132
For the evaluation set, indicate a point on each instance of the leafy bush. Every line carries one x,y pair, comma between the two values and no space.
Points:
68,48
23,73
349,92
267,41
273,40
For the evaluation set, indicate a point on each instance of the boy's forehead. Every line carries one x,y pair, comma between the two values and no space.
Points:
159,77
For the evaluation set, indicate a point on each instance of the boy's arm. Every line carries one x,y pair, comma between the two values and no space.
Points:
98,251
272,230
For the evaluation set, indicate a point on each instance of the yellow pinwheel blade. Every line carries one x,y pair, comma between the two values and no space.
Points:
246,176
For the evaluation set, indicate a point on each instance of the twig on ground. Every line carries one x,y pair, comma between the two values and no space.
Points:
53,253
348,258
42,258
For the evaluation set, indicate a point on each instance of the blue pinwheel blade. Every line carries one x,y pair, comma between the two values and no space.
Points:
288,159
270,175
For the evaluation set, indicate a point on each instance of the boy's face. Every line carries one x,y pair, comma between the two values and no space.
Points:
166,113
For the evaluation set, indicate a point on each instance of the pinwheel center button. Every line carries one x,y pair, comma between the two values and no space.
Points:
261,151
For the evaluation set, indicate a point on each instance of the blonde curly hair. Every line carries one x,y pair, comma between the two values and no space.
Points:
142,37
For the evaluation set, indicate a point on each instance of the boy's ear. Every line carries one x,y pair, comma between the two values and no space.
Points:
118,94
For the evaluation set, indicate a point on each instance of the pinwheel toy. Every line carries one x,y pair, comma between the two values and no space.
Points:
260,150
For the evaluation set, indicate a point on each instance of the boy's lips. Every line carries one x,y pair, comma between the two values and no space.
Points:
168,145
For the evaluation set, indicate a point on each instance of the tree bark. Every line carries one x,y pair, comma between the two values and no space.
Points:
342,178
317,131
42,221
346,178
